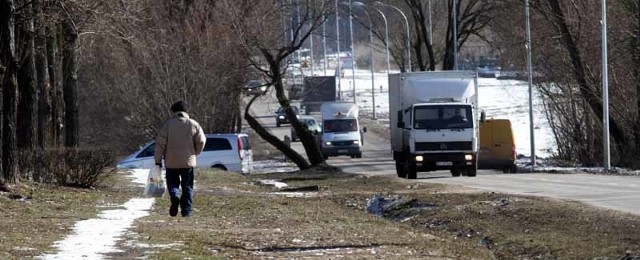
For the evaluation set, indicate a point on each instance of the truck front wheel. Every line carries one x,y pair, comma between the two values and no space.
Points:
400,170
471,171
410,170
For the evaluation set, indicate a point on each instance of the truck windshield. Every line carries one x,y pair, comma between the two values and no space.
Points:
340,125
443,117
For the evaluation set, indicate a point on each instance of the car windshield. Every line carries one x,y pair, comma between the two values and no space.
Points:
254,83
443,117
340,125
310,123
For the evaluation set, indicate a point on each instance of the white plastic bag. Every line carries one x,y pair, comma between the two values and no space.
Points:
155,183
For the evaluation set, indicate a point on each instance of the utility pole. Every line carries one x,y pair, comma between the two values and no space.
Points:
338,70
605,90
455,34
530,69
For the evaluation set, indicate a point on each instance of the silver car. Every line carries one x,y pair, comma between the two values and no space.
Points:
310,123
229,152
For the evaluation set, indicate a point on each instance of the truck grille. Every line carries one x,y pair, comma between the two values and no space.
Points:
443,146
342,143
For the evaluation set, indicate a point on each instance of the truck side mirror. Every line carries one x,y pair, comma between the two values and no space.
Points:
483,117
400,121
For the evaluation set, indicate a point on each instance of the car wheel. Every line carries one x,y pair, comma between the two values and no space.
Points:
455,172
277,124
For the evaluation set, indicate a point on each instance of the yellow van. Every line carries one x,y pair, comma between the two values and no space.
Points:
497,146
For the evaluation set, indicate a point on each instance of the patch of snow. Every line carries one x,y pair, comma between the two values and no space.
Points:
138,176
275,183
92,238
298,194
273,166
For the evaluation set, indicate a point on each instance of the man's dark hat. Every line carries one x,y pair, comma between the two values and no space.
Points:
179,106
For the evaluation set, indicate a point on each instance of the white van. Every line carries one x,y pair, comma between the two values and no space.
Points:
229,152
340,130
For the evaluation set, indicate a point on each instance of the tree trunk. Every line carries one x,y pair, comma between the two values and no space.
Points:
307,138
55,92
635,49
70,84
27,103
42,79
271,139
9,91
425,61
447,60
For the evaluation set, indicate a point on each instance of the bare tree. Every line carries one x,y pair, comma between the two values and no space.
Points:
27,103
42,78
9,90
139,57
257,25
70,82
472,17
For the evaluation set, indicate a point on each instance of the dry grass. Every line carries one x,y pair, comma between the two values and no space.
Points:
235,218
35,215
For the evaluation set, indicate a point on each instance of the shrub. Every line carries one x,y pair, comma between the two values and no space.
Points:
77,167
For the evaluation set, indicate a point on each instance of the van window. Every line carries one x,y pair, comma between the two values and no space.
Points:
217,144
246,145
340,125
148,152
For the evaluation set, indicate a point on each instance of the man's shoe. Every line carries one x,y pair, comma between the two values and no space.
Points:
186,215
173,210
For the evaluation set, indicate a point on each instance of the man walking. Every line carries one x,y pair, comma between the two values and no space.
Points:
179,141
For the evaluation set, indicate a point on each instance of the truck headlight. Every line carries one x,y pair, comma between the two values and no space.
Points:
327,143
281,117
419,158
263,88
356,142
468,157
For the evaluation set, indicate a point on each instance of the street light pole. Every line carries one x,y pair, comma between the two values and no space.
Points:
530,69
324,43
386,33
353,55
430,26
605,90
455,34
373,85
406,21
338,70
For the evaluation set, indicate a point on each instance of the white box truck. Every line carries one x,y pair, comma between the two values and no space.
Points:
434,123
340,130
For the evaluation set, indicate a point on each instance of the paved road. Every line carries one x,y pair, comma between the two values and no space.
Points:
612,192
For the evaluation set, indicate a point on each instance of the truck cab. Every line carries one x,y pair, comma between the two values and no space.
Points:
340,130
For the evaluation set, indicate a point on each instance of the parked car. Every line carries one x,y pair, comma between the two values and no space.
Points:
281,115
229,152
254,87
310,123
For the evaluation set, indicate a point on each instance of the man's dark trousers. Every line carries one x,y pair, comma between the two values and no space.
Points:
177,178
